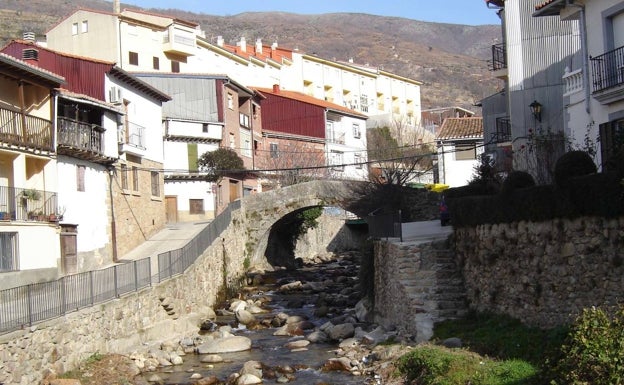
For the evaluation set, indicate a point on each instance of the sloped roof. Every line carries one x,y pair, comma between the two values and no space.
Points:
549,7
310,100
21,68
461,128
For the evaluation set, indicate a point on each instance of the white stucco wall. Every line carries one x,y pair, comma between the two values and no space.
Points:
453,172
39,245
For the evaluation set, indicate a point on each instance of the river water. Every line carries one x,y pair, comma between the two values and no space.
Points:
336,289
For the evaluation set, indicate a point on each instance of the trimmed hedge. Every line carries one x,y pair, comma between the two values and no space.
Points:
599,195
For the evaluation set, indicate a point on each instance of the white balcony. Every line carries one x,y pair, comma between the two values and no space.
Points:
179,42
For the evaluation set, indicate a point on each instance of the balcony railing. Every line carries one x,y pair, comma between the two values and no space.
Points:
24,130
608,70
80,135
19,204
503,130
499,57
135,135
573,81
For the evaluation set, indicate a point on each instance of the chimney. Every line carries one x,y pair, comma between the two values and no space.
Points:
276,88
116,7
29,36
243,44
220,41
30,56
274,46
258,46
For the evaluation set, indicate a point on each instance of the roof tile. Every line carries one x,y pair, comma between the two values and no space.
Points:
461,128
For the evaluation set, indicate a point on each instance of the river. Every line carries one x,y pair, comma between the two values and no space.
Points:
328,292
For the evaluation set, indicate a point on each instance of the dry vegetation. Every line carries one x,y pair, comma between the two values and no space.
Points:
450,60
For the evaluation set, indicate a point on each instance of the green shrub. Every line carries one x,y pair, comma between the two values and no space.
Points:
434,365
573,164
517,180
594,349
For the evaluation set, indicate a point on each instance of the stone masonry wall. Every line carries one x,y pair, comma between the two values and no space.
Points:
129,322
543,273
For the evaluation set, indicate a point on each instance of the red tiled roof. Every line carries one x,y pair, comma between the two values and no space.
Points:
543,4
461,128
498,3
308,99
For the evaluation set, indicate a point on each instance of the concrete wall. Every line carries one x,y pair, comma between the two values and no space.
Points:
543,273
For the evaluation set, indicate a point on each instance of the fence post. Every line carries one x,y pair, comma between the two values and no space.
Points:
63,299
115,279
91,290
136,276
30,317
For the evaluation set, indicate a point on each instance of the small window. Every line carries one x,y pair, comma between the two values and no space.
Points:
336,160
155,184
135,178
133,58
356,131
274,150
9,251
156,63
175,66
230,101
196,206
192,157
232,141
85,26
358,160
124,177
205,127
465,151
80,178
75,29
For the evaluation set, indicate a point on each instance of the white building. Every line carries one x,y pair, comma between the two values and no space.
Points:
460,143
593,97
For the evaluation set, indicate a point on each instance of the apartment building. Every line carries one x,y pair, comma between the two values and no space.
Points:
593,96
525,120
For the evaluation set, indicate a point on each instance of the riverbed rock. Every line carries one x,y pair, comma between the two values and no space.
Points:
244,317
452,342
225,345
298,344
248,379
337,364
211,359
251,367
348,343
340,332
362,311
297,285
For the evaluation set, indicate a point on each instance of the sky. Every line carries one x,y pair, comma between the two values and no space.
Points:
469,12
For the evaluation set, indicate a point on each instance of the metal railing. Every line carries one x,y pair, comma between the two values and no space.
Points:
503,130
608,70
80,135
20,129
135,136
175,262
499,57
20,204
26,305
385,225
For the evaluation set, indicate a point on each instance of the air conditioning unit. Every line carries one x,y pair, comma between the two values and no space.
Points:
114,95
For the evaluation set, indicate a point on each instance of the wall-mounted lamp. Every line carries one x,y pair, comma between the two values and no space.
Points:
536,109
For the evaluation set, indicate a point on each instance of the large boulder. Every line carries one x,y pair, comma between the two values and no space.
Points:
225,345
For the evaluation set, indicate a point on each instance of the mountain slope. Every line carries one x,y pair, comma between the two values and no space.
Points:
451,60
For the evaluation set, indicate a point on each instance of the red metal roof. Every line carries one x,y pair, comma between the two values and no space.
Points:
461,128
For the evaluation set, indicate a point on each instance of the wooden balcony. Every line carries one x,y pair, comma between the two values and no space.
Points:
19,204
81,140
25,131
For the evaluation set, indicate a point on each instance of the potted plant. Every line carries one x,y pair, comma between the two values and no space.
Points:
31,194
58,215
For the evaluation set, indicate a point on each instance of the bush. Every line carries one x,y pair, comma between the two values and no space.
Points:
594,349
573,164
517,180
428,365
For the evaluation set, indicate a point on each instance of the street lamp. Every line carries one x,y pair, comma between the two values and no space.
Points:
536,109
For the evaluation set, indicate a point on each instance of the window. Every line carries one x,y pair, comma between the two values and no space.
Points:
75,29
356,131
364,103
175,66
245,139
336,160
232,141
80,178
274,151
465,151
196,206
205,127
611,141
133,58
244,120
9,251
230,101
155,184
156,63
358,159
124,177
85,26
135,178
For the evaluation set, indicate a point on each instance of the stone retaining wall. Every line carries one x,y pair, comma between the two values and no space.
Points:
129,322
543,273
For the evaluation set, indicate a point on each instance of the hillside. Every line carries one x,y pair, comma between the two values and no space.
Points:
451,60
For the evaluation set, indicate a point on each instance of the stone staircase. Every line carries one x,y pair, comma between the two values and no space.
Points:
432,282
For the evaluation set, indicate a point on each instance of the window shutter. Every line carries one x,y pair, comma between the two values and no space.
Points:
192,156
